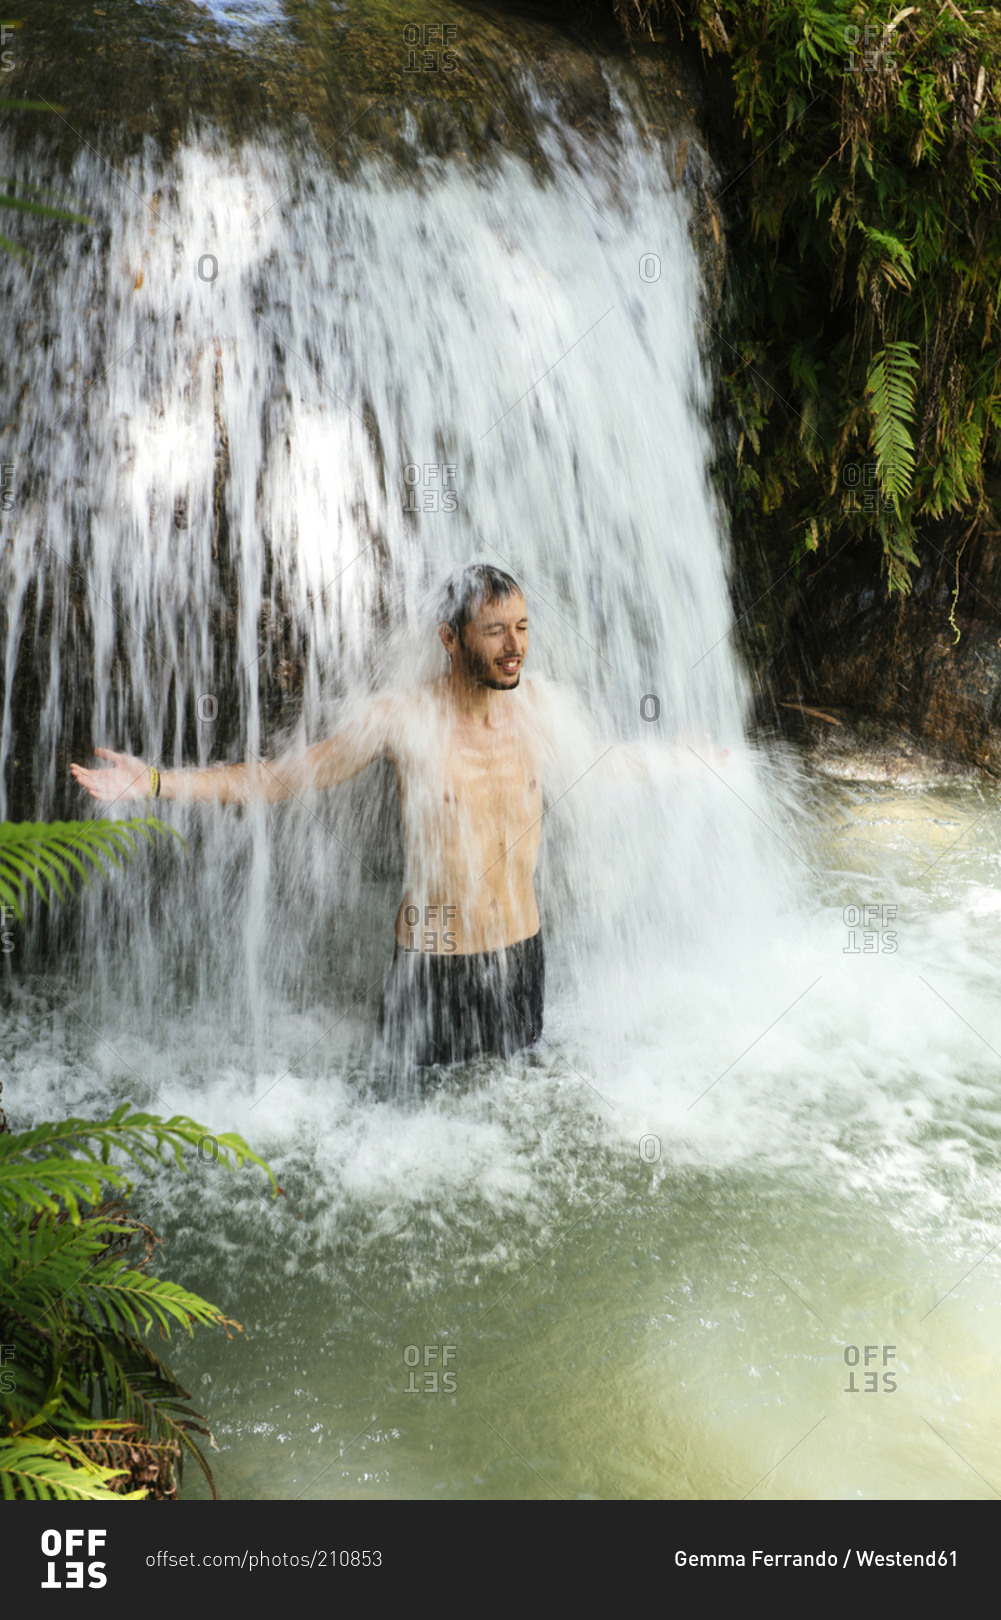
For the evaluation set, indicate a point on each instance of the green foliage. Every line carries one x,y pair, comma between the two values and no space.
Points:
33,853
890,391
91,1413
864,238
90,1410
45,1470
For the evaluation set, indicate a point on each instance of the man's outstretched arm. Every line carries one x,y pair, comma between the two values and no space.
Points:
362,740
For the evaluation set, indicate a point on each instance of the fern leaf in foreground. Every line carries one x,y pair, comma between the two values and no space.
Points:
56,1470
92,1412
64,1162
44,855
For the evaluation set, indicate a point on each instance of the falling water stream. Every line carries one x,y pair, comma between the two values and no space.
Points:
254,419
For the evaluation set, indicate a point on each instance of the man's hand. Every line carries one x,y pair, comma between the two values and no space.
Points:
124,777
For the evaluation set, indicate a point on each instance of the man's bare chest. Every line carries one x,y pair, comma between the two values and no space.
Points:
489,777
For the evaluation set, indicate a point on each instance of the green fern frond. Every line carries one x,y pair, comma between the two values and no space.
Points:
32,852
52,1184
125,1297
45,1256
884,256
148,1394
76,1308
890,388
120,1385
40,1182
56,1470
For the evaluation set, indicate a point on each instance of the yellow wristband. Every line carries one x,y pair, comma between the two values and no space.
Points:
154,782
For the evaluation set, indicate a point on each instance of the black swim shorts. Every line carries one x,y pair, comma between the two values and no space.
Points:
448,1008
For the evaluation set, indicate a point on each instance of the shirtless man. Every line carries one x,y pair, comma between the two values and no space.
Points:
469,752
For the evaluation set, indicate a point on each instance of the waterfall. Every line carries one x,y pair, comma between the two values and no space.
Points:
252,419
263,416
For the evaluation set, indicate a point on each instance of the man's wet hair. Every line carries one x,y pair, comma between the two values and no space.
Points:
464,591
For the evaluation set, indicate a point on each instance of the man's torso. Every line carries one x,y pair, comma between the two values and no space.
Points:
471,801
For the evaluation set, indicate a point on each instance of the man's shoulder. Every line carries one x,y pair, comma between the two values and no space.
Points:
406,702
405,713
372,723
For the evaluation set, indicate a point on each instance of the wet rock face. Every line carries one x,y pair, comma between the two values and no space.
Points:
355,76
912,699
849,746
357,79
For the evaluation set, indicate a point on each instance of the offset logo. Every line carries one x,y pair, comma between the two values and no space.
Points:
873,1385
436,482
433,1382
63,1568
868,924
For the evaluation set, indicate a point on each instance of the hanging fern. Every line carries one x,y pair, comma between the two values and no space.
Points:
45,854
884,258
864,199
890,389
